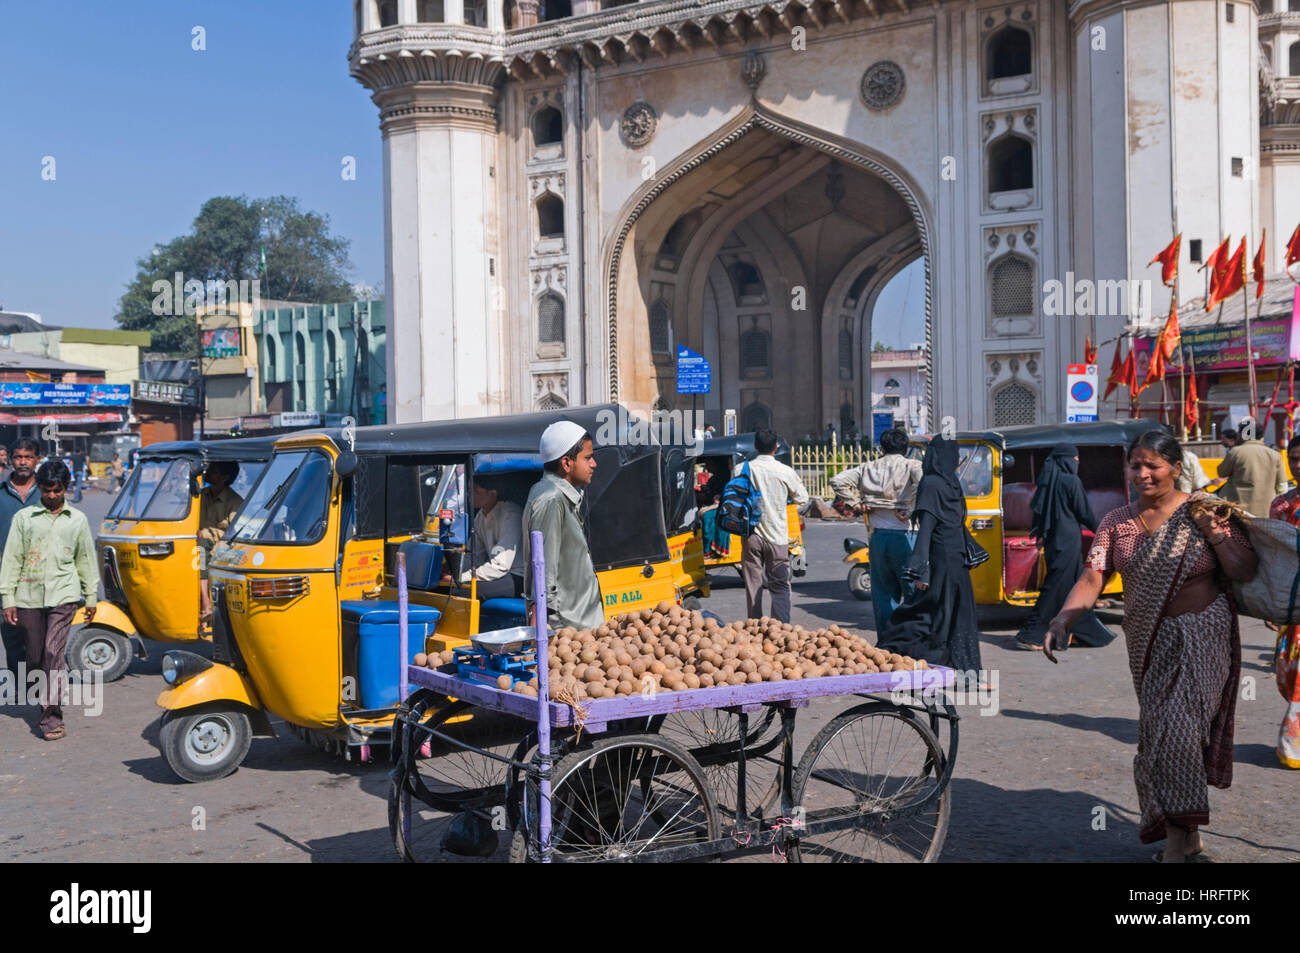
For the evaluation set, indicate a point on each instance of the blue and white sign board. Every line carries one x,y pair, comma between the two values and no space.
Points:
1080,393
694,376
880,423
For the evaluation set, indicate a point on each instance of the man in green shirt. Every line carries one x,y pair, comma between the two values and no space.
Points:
48,570
554,508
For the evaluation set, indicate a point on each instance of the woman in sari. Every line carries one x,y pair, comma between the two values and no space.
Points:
1286,656
937,622
1060,506
1184,649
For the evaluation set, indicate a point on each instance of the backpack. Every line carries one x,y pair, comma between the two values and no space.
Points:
739,511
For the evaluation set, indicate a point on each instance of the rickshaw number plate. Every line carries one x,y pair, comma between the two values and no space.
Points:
235,596
126,558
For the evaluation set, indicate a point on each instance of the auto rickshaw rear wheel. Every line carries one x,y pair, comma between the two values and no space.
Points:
205,745
97,648
860,582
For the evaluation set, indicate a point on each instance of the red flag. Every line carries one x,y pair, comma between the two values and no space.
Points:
1293,248
1190,412
1258,266
1156,370
1170,334
1169,261
1217,263
1089,352
1118,372
1228,280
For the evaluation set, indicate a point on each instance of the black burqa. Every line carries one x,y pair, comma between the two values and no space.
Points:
1060,508
938,624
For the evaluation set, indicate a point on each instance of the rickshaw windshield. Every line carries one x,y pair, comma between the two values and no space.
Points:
975,469
449,502
289,503
156,490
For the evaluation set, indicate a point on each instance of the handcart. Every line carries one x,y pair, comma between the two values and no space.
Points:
676,776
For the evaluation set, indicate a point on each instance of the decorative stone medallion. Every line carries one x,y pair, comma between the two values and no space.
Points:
637,127
882,85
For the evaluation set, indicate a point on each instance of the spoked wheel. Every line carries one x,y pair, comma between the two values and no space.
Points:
434,777
712,737
860,582
882,765
622,797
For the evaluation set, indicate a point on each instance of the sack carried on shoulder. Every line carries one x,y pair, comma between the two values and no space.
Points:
738,511
1274,594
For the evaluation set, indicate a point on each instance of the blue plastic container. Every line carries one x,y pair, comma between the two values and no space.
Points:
371,627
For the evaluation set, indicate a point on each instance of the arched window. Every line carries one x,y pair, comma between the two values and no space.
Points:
860,284
300,372
430,11
550,216
757,417
331,352
674,242
1011,165
550,402
1012,286
747,280
1010,53
1014,404
1293,58
754,351
271,373
387,12
846,355
550,319
363,358
660,328
555,10
548,126
892,384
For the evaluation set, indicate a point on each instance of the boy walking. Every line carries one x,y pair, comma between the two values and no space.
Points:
765,562
48,570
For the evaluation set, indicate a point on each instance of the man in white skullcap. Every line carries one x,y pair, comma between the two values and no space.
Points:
554,509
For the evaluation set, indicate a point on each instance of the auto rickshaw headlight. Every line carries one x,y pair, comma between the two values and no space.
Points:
157,549
178,667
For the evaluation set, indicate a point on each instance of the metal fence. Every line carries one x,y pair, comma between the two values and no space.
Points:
816,463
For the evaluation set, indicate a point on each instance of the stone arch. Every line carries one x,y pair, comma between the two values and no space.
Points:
550,215
1010,164
620,277
1008,52
547,127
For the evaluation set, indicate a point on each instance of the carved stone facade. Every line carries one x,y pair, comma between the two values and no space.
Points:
570,200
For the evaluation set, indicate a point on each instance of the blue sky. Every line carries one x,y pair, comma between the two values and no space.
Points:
143,129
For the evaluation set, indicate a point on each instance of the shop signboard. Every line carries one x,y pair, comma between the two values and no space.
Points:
167,392
50,394
1274,340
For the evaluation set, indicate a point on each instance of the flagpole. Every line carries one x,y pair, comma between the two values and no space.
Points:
1250,358
1196,409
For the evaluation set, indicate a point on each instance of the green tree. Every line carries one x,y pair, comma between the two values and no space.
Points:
878,347
303,262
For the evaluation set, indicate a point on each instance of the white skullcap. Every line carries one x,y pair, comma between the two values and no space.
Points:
558,439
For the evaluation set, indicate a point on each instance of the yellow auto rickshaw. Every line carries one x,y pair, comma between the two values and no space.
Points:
148,553
719,458
305,579
998,471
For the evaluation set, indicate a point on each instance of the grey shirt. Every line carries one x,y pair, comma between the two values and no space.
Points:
572,590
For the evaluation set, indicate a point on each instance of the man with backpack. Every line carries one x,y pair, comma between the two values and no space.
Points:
765,562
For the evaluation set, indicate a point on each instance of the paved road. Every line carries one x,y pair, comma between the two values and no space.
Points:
1034,781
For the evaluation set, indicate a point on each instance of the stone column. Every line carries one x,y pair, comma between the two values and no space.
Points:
406,12
526,12
453,11
369,15
444,353
496,15
583,7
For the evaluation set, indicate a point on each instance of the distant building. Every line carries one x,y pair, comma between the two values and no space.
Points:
230,386
323,358
898,388
117,352
166,400
37,392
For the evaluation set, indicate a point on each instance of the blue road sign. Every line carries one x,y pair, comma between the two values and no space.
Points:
694,376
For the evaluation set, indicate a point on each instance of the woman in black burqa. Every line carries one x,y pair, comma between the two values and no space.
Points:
937,622
1060,507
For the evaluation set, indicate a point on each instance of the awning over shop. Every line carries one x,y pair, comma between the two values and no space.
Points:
64,417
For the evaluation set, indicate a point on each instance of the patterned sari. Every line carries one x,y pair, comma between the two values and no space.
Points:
1286,654
1185,668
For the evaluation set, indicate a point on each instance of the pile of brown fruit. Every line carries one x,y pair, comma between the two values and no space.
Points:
669,648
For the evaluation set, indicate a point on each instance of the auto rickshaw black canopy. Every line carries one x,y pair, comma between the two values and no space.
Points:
236,448
1102,433
739,445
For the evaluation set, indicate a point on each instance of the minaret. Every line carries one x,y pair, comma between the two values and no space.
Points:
435,86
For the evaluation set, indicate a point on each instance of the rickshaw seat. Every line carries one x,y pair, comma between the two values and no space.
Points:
1017,516
423,564
503,613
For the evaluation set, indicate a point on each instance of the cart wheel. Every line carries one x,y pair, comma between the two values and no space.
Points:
712,737
96,648
860,582
206,745
621,797
883,765
463,776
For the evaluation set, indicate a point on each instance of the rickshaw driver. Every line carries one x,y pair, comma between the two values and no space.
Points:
554,508
218,503
498,562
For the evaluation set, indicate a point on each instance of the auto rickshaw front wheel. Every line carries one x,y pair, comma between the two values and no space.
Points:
860,582
97,648
205,745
